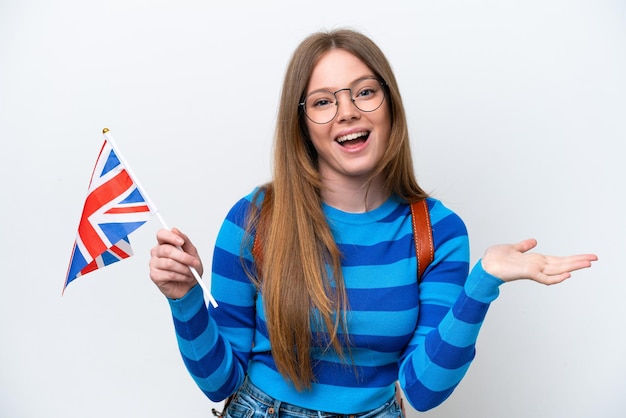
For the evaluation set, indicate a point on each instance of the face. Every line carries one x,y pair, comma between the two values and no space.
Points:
349,146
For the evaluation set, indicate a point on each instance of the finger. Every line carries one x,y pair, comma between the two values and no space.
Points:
179,255
165,236
164,267
187,245
526,245
552,279
162,276
557,265
179,240
163,273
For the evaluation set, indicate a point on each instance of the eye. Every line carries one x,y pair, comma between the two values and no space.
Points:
320,101
366,92
366,89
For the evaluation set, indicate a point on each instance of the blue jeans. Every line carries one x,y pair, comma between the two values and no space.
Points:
251,402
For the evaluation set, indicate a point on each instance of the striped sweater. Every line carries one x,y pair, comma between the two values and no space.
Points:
424,337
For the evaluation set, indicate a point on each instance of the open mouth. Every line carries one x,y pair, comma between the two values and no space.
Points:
353,139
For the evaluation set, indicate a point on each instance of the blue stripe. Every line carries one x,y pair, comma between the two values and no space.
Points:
448,272
232,292
459,333
233,316
431,315
190,330
198,347
235,235
400,212
354,376
455,249
448,228
242,358
447,355
437,211
360,356
204,367
422,397
380,323
402,298
228,265
266,359
237,214
383,343
375,343
370,233
402,273
261,327
218,393
432,375
386,252
469,310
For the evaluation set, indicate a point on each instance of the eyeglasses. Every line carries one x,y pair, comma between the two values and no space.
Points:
367,95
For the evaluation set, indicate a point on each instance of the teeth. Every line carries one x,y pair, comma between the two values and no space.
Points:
350,137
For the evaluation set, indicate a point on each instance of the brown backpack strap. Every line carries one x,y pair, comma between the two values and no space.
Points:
257,244
423,237
257,253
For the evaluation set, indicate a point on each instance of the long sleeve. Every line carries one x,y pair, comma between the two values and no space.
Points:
452,309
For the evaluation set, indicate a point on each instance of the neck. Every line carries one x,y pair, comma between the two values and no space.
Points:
355,195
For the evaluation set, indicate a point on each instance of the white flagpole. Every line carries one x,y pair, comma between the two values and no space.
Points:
154,209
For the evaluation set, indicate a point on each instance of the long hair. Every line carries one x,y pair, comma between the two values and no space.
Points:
300,255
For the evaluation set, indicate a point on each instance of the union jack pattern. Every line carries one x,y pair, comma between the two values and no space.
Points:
114,208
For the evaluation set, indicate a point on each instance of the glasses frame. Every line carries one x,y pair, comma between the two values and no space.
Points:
383,86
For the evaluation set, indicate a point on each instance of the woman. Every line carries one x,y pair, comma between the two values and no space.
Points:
328,315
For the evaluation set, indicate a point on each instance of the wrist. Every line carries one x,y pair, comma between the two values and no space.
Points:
178,292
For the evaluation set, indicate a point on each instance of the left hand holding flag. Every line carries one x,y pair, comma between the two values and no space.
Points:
170,261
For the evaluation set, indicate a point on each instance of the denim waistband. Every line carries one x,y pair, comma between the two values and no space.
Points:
268,407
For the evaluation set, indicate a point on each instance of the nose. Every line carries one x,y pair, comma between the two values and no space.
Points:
346,110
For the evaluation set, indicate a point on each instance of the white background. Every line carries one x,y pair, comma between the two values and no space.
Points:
517,112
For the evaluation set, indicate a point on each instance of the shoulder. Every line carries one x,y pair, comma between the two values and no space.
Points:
238,213
445,221
451,243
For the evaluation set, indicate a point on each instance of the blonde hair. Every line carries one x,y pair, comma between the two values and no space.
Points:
299,252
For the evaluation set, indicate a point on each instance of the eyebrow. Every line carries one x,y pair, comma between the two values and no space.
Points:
356,80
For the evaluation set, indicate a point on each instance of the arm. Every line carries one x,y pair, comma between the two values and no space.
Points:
452,308
215,344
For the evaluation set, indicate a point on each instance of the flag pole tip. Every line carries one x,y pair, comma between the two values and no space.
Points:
105,130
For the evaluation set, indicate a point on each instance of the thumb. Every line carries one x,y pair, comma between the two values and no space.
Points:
526,245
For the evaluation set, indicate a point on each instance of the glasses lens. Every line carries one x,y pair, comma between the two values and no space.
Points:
320,106
367,95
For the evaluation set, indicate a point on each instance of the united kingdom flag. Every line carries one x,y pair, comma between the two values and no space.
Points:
113,209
